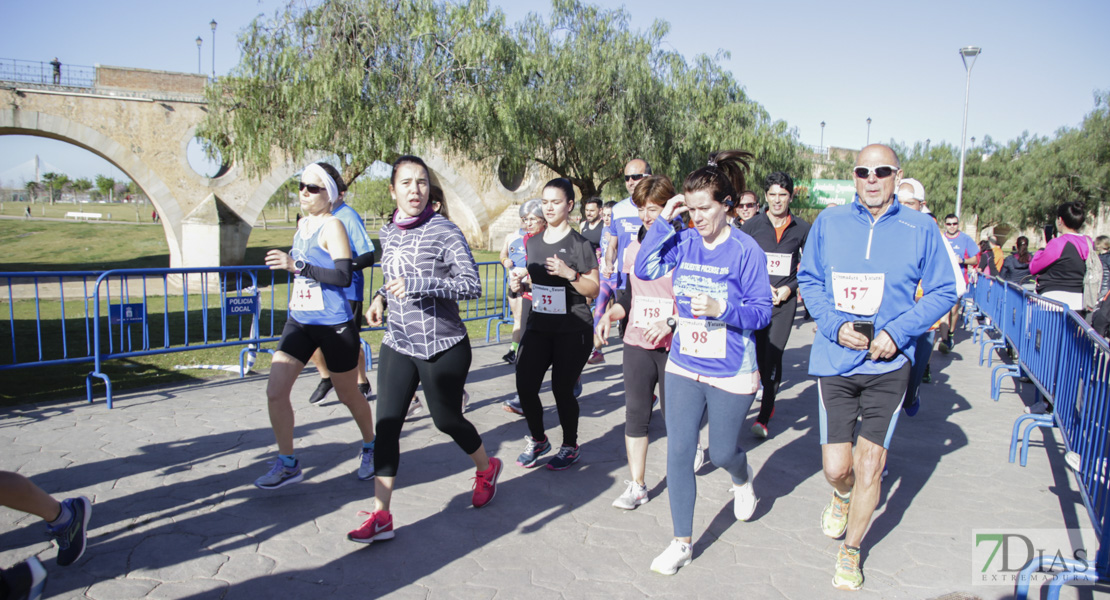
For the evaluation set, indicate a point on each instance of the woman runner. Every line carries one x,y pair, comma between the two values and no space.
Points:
319,317
428,267
562,269
723,294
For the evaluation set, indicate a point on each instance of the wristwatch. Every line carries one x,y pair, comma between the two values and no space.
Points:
577,276
672,323
298,266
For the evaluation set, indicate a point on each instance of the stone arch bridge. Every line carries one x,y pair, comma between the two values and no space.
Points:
142,121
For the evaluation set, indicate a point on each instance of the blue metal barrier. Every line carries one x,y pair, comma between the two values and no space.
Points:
38,341
1013,327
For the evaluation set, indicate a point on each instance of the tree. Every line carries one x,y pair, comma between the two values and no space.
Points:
54,183
33,188
371,195
364,79
106,185
81,185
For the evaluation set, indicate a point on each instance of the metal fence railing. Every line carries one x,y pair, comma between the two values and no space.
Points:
42,73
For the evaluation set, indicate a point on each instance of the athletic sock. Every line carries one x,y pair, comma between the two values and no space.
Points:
513,346
63,517
288,460
368,445
845,497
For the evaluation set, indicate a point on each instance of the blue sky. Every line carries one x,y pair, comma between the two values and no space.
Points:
805,62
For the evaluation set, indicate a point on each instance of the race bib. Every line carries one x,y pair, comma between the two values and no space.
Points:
307,295
702,338
778,265
549,300
858,293
648,309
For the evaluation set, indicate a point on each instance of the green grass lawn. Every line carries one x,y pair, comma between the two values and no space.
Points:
52,246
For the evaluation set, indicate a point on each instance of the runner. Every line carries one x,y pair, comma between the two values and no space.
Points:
967,255
723,295
512,257
427,267
781,235
319,318
647,340
534,224
562,273
608,289
360,244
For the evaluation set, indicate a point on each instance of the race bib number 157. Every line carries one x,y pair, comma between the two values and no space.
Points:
858,293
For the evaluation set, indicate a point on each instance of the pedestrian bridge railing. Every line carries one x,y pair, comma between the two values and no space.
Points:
1068,364
42,73
70,317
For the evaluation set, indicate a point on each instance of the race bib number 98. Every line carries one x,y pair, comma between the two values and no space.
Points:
858,293
702,338
551,300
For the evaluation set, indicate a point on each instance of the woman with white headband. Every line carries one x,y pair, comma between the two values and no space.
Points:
319,317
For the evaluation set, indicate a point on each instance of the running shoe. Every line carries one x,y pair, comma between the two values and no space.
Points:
364,389
743,497
911,407
321,392
677,555
366,464
510,357
834,519
567,456
1040,407
578,388
699,458
27,580
72,536
279,476
928,376
848,575
512,405
533,451
596,358
465,400
634,495
378,527
485,484
759,430
415,407
654,401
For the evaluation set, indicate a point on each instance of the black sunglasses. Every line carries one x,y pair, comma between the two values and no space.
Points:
951,222
747,205
312,189
635,177
882,171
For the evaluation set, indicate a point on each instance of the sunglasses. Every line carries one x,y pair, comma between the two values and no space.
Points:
746,205
951,222
635,177
881,171
312,189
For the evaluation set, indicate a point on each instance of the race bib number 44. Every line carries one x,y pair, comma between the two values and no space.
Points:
647,310
550,300
307,295
778,265
702,338
858,293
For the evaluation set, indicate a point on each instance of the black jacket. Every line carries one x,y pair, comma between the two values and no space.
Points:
793,239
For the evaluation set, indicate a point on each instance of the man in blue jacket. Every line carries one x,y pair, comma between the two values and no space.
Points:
859,274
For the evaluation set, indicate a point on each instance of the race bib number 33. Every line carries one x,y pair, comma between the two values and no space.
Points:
702,338
550,300
858,293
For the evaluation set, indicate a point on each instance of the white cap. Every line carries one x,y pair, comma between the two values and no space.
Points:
918,189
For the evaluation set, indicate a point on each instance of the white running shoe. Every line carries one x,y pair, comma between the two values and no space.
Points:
676,555
634,495
744,500
699,458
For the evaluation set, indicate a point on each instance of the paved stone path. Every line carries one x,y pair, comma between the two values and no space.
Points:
170,473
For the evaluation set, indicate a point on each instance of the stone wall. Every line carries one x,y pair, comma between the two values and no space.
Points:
147,80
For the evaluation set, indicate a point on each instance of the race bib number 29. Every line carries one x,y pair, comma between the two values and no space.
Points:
858,293
778,265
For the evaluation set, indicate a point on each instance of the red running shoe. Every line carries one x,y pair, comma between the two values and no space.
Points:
485,483
378,527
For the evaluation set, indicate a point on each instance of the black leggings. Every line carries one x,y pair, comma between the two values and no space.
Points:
770,342
566,355
443,377
643,368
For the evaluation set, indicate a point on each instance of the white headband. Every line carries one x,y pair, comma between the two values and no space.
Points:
329,183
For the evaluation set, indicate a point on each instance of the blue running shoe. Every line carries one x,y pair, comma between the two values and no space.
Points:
279,475
578,388
567,456
366,464
533,451
25,580
72,536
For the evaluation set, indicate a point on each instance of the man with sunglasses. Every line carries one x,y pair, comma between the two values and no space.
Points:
966,250
746,209
624,224
781,235
859,274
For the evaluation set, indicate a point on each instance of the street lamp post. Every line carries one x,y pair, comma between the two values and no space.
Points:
927,142
822,136
966,52
199,42
868,131
213,25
